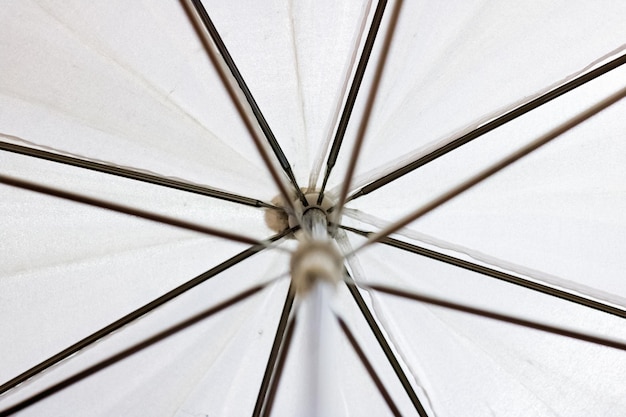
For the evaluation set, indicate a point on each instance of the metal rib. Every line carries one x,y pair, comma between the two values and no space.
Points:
378,334
501,317
271,362
131,174
488,127
493,273
352,94
280,366
67,382
368,366
498,166
140,312
356,150
119,208
230,63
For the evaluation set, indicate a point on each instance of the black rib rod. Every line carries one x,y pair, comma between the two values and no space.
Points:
483,175
230,63
352,94
493,273
489,126
61,385
368,366
501,317
133,175
271,362
280,366
369,106
140,312
90,201
380,338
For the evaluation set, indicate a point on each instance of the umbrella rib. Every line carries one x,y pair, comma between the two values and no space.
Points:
489,126
368,366
132,174
352,94
140,312
99,366
498,166
280,366
378,334
369,106
615,344
119,208
271,362
493,273
262,122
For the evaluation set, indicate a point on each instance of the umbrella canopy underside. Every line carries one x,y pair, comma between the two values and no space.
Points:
141,90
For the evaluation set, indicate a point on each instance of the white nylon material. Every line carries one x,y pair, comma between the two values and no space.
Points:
490,260
437,67
130,84
137,78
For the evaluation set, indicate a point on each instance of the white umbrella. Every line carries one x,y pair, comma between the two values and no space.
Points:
200,119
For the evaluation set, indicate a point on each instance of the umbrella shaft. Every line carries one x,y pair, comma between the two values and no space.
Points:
321,334
315,222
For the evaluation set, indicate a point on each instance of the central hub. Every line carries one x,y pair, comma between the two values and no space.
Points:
314,221
316,259
281,218
311,211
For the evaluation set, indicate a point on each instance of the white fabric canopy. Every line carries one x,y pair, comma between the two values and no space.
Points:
130,85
